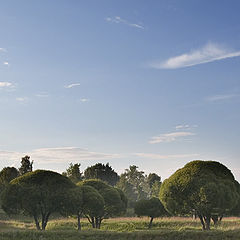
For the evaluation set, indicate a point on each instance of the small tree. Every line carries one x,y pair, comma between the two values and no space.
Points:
84,200
114,204
206,187
102,172
73,172
152,208
26,165
38,194
7,175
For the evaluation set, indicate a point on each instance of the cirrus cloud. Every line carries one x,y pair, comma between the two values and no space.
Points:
169,137
208,53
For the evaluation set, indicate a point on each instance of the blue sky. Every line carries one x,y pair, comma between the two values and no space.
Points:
150,83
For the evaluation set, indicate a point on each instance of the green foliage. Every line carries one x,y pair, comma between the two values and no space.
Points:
102,172
73,172
26,165
134,184
7,175
207,187
84,200
151,207
114,201
38,194
152,178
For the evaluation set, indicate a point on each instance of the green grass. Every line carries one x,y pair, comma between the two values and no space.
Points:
120,229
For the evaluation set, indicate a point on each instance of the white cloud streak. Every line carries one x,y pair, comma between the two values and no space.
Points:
221,97
5,84
84,100
3,50
6,63
42,95
57,155
72,85
209,53
185,127
159,156
22,99
169,137
118,19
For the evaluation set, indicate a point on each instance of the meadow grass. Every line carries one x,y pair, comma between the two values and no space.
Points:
120,229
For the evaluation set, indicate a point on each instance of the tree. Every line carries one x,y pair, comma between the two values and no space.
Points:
150,207
152,178
7,175
154,182
155,189
205,187
102,172
73,172
134,184
114,202
38,194
26,165
84,200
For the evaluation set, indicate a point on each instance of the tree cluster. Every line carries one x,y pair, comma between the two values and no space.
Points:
41,193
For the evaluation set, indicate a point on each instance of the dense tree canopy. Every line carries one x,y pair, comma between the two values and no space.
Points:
114,200
207,187
38,194
134,184
8,174
73,172
84,200
26,165
102,172
150,207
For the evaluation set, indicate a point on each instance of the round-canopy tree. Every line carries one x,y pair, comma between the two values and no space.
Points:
38,194
114,201
84,200
205,187
150,207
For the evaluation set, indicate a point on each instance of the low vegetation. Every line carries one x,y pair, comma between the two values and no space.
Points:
121,229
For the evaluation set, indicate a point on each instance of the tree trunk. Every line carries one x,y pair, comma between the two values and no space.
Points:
202,222
45,218
207,222
93,222
79,223
215,219
37,223
150,223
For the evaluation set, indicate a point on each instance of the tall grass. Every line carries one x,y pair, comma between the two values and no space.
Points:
121,229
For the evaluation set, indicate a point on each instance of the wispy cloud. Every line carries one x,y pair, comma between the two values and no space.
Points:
72,85
170,137
3,50
6,63
209,53
5,84
42,95
221,97
159,156
58,155
118,19
84,100
22,99
185,127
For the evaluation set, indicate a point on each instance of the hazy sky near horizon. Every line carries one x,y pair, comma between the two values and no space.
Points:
150,83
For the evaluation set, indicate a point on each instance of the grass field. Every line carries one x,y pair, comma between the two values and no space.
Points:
121,229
